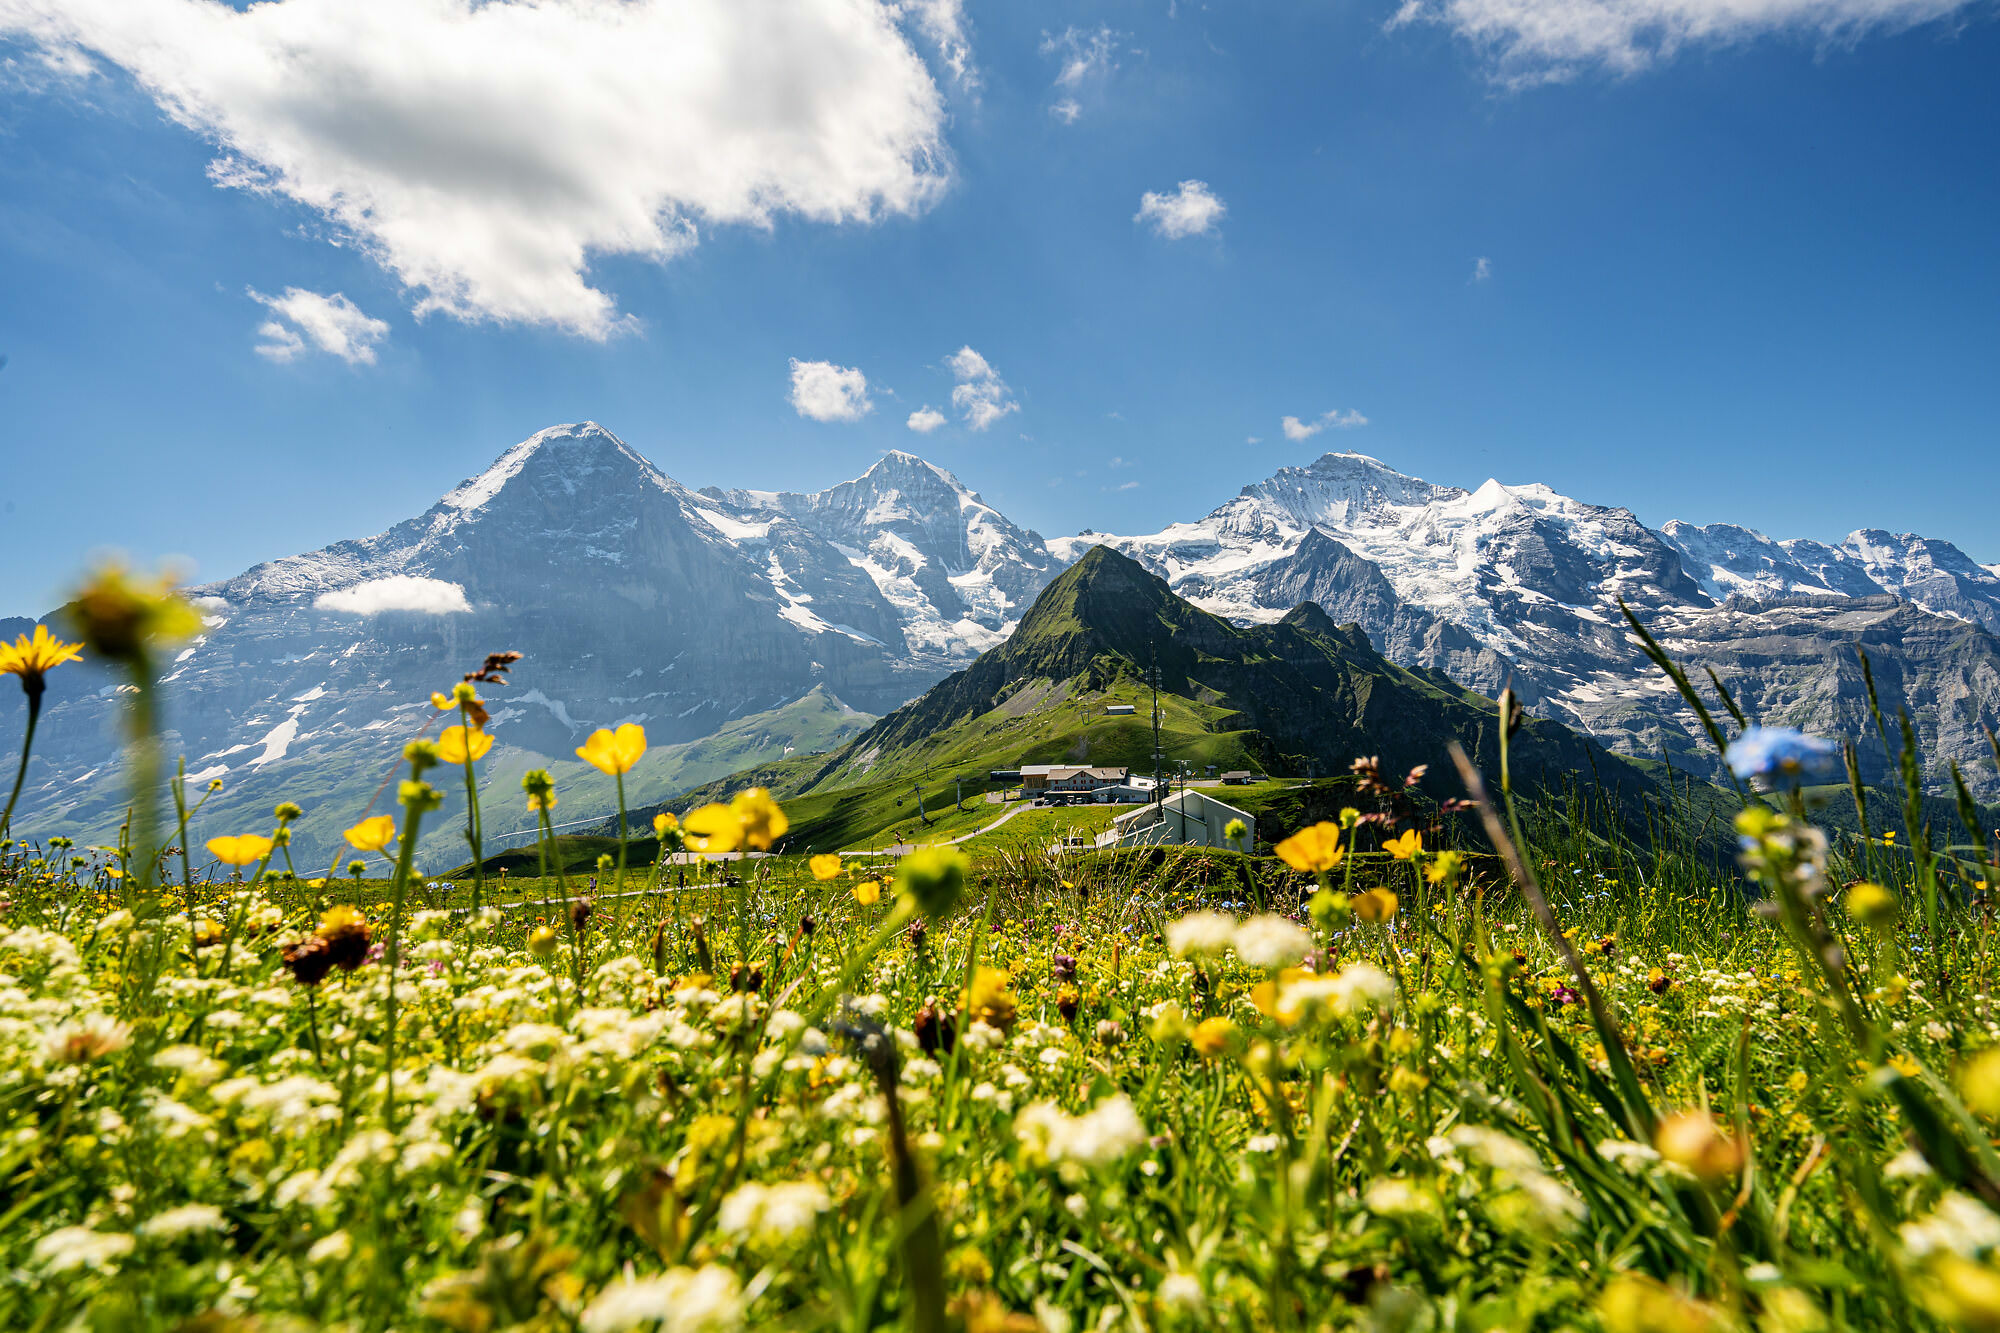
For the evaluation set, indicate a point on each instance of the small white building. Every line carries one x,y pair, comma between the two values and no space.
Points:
1120,710
1191,819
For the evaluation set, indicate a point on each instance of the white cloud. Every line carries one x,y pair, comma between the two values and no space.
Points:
1126,486
1334,420
981,396
943,21
487,151
1482,269
398,592
826,392
1188,211
333,324
1084,59
926,419
1538,41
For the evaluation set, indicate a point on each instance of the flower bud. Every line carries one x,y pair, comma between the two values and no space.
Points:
1872,905
934,878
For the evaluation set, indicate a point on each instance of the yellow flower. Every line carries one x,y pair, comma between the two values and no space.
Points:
456,744
372,835
1444,868
442,702
614,752
1632,1303
662,822
540,800
542,942
1406,1082
1376,905
1313,850
244,850
868,892
933,877
1212,1036
32,659
1279,998
751,819
1872,905
825,866
990,999
764,821
1696,1142
1405,847
714,828
1979,1082
121,617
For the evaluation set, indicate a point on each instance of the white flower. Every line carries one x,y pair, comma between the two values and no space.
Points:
330,1248
189,1217
1053,1056
772,1213
680,1300
984,1037
1360,987
1627,1154
1959,1225
1098,1137
1180,1291
1908,1164
530,1037
1395,1197
1495,1149
1271,941
1201,933
87,1038
191,1063
1263,1143
80,1247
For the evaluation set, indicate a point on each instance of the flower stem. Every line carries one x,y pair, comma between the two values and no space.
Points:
474,829
27,744
391,955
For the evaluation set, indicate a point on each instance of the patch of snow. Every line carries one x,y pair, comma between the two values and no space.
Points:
554,706
278,740
735,529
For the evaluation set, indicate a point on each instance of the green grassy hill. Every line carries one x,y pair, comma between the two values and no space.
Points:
1300,698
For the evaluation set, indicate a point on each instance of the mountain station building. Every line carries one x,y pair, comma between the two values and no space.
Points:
1189,819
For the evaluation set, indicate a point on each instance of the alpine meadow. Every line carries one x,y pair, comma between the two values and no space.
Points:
725,869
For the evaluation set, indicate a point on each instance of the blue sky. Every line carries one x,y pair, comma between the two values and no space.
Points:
1738,265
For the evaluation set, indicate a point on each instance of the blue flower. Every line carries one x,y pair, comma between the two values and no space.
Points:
1784,757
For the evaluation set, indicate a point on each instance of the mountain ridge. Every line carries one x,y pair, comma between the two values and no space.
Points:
637,598
1302,695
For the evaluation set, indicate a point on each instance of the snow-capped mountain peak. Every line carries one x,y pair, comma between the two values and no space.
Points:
570,454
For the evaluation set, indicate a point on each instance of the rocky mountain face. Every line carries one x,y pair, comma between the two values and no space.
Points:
632,598
707,614
1520,585
1301,692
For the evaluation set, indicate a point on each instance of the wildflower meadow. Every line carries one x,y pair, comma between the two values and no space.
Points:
1478,1066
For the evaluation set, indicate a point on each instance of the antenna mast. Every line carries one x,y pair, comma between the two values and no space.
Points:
1154,673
